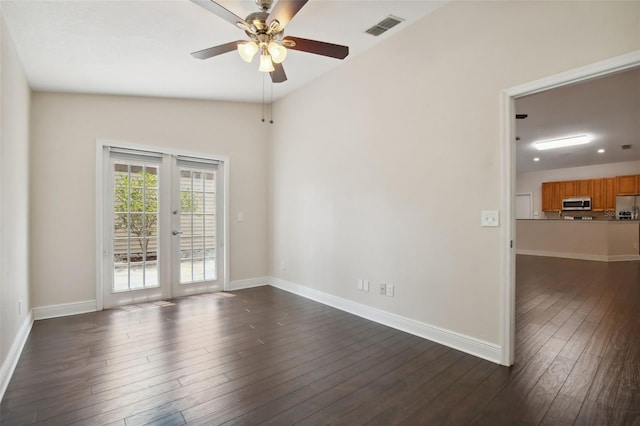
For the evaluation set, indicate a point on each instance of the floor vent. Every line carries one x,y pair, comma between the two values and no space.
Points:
384,25
626,146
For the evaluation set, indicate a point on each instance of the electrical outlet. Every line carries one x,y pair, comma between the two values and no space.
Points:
365,285
390,290
383,289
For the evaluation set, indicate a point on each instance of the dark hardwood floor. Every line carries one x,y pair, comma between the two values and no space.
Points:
264,356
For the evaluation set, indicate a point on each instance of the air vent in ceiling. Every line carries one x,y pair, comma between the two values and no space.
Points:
384,25
626,146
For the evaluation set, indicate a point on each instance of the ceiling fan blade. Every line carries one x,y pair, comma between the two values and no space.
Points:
319,47
222,12
216,50
284,11
278,75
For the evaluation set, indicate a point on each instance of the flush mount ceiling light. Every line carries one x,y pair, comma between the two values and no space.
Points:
601,151
265,30
562,142
536,159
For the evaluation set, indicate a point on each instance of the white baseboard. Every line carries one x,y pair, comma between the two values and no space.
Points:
63,310
74,308
577,256
624,258
580,256
249,283
10,363
470,345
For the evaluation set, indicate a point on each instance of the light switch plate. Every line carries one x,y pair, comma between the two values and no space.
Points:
490,218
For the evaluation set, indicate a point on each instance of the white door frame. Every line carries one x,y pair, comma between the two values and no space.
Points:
598,69
101,144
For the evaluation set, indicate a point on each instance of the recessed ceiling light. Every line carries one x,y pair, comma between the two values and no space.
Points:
536,159
562,142
601,150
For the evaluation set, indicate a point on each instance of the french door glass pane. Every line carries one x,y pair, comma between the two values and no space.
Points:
197,223
135,225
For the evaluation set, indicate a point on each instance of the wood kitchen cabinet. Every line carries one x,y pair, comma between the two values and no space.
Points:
576,188
597,195
602,191
556,203
583,188
547,194
569,189
627,185
552,196
609,193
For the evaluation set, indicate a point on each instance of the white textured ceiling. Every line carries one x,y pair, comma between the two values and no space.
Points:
607,108
142,47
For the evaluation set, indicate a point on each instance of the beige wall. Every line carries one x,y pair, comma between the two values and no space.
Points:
381,167
64,132
14,196
532,181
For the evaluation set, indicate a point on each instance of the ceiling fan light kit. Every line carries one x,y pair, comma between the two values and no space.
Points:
266,65
266,32
248,50
277,51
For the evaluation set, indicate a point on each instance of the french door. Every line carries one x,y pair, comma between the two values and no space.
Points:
163,226
195,224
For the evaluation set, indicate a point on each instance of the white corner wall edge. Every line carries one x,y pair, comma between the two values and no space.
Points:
10,363
248,283
470,345
63,310
580,256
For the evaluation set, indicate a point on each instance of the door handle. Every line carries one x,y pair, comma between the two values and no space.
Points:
176,232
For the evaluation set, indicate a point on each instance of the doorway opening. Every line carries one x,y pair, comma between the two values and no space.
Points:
509,97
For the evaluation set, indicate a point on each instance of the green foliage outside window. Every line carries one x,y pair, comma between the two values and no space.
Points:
136,205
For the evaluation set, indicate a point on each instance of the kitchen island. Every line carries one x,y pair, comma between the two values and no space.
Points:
601,240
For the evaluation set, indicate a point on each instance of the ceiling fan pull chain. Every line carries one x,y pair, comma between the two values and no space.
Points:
263,77
271,104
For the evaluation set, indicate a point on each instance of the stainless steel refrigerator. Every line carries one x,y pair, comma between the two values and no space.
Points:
627,207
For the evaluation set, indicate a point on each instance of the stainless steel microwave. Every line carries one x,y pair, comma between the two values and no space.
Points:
583,203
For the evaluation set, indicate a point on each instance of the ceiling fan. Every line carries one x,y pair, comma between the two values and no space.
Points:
266,33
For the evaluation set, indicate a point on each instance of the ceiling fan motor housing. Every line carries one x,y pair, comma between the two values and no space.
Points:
265,5
258,20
